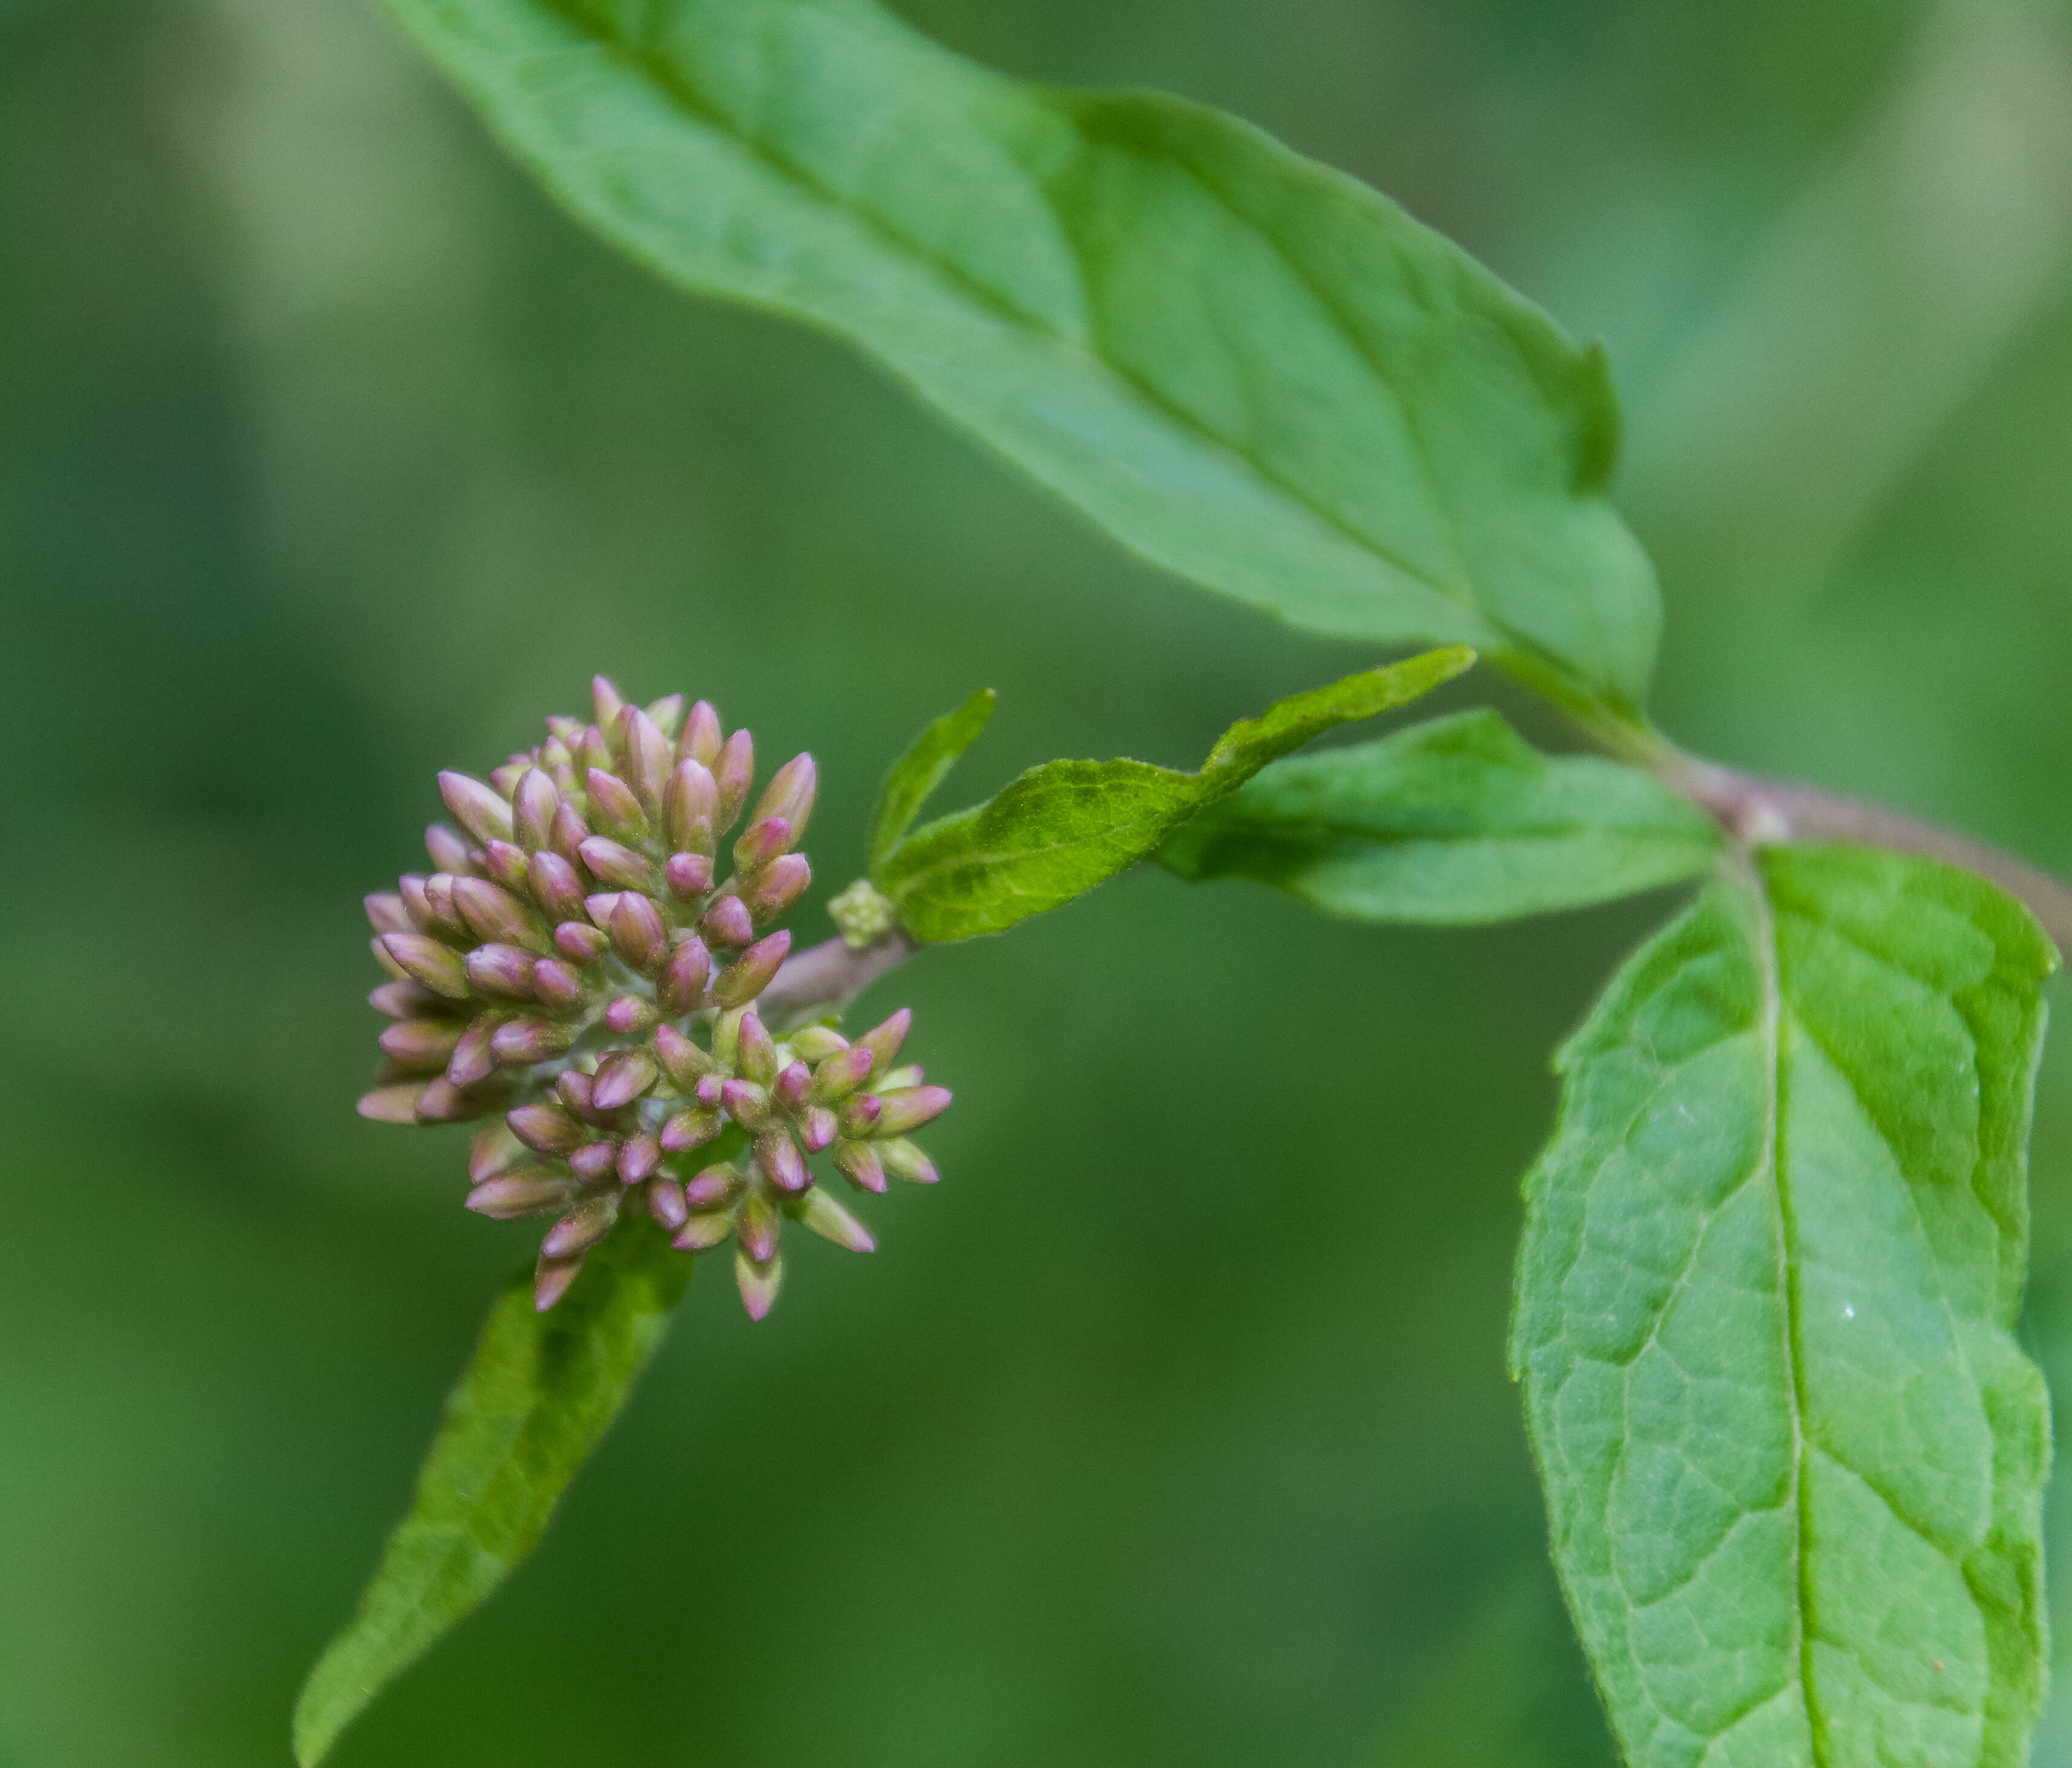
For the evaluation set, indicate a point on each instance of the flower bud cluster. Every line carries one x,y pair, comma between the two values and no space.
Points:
582,967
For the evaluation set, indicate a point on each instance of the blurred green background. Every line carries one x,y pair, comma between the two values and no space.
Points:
1173,1426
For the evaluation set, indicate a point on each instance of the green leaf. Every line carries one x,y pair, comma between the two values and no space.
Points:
524,1415
1058,829
1249,369
922,769
1452,822
1773,1259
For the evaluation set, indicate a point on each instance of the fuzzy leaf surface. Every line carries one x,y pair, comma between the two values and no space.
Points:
1451,823
922,767
1054,832
524,1415
1773,1256
1249,369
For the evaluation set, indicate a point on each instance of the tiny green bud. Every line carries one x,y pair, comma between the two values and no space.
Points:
903,1160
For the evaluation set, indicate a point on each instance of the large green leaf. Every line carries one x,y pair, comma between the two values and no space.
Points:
1251,369
524,1415
1058,829
1794,1458
1456,821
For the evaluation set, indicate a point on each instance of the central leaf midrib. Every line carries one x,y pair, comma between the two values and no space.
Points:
668,79
1770,960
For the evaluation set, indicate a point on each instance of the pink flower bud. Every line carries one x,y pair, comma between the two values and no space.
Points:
530,1191
622,1079
817,1127
519,1043
582,1227
547,1129
551,1278
477,808
883,1041
533,809
492,1149
713,1188
700,1233
668,713
613,807
859,1114
448,852
638,1157
756,1222
407,999
727,922
557,985
629,1016
639,932
761,842
492,912
503,972
594,1160
759,1281
745,1102
422,1043
665,1203
425,960
734,772
606,700
818,1212
910,1108
571,831
385,909
392,1104
474,1058
841,1075
611,863
858,1163
682,987
688,875
752,972
903,1160
557,886
690,802
777,886
778,1158
683,1061
789,795
691,1129
646,755
505,862
580,943
817,1043
699,741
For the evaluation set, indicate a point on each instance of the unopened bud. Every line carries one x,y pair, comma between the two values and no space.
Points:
445,911
557,886
858,1163
574,1089
505,778
761,842
572,829
638,1157
474,1058
903,1160
910,1108
417,899
778,1158
580,943
530,1191
830,1221
491,1150
639,932
756,1222
613,807
817,1043
688,875
668,712
611,863
841,1075
606,700
777,886
713,1187
593,750
699,741
665,1203
734,772
492,912
860,1113
406,1000
700,1233
817,1126
862,913
685,1063
533,808
547,1129
622,1078
425,960
423,1044
385,909
727,922
551,1278
557,985
582,1227
788,1090
648,757
519,1043
505,862
690,802
392,1104
681,988
629,1016
759,1281
478,808
883,1041
745,1102
789,795
754,1054
691,1129
708,1092
503,972
449,851
752,972
594,1161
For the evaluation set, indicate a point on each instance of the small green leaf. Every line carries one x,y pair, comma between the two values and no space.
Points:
526,1413
1454,821
1060,828
922,769
1773,1261
1249,369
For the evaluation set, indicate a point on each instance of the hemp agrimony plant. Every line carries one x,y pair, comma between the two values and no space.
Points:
1793,1456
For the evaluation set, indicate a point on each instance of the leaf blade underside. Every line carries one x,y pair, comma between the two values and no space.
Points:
1056,831
539,1392
1456,821
1793,1457
1250,370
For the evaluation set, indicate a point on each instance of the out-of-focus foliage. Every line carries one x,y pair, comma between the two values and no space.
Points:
1176,1427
